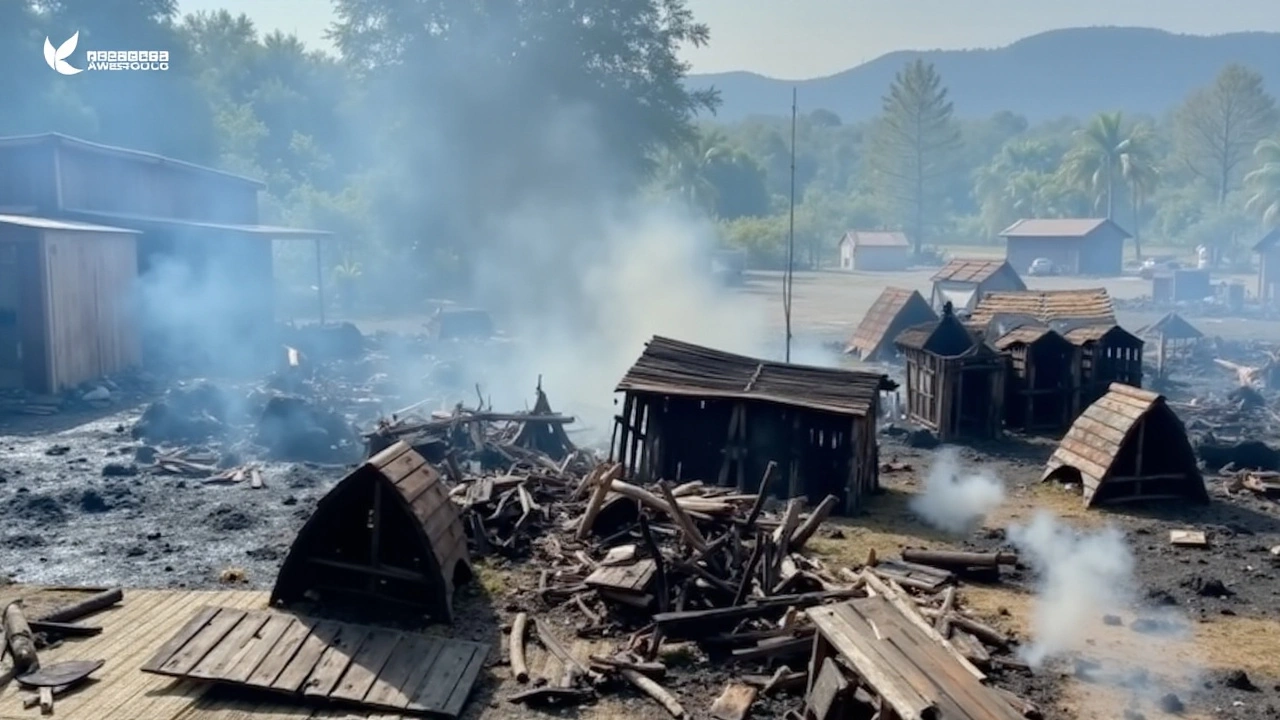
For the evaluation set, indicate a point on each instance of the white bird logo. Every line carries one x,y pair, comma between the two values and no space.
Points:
57,59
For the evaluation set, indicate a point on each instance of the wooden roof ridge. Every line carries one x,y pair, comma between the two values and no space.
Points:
1095,440
1094,304
872,332
675,367
1172,326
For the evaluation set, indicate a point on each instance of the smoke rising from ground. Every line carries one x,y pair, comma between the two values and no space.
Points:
956,499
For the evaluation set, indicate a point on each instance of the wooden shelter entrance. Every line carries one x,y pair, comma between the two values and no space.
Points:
387,537
693,413
1129,445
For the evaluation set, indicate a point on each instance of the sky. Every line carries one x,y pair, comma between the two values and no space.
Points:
799,39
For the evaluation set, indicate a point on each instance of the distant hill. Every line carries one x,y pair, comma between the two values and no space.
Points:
1076,72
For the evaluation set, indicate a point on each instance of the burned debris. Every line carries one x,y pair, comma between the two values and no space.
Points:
691,412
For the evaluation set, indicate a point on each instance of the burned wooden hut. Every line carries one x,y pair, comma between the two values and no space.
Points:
894,311
1128,445
1174,337
955,379
693,413
1104,355
387,538
1040,385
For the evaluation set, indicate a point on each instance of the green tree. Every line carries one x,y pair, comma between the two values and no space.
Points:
1140,177
913,145
1219,126
1263,183
1102,150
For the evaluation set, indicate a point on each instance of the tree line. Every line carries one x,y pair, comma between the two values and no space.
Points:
1205,173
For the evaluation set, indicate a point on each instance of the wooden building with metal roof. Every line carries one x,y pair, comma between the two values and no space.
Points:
894,311
694,413
964,281
1129,445
955,380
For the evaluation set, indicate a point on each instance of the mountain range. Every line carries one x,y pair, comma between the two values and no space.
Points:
1070,72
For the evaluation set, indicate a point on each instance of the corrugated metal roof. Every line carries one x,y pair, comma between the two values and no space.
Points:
67,140
974,270
885,313
876,238
264,231
672,367
1096,438
1093,305
40,223
1173,327
1056,227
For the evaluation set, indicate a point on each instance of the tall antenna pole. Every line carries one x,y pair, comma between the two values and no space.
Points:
787,276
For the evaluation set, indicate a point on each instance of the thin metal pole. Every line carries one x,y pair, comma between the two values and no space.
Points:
791,232
319,281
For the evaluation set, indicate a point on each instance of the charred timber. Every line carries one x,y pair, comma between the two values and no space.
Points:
958,560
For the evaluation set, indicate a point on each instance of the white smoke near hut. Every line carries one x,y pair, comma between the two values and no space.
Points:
955,499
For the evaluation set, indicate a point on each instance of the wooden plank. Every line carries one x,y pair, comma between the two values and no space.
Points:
734,703
403,672
335,660
204,641
280,655
438,686
215,664
258,647
827,690
309,653
175,643
366,665
462,688
400,466
1188,538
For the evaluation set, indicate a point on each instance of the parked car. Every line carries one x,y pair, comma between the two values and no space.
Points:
1042,266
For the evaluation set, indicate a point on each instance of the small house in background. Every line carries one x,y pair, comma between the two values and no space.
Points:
65,294
955,381
694,413
1041,378
1075,246
1128,445
894,311
1268,249
1174,337
874,251
963,281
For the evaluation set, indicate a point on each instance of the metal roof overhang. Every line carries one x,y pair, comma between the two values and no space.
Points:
143,222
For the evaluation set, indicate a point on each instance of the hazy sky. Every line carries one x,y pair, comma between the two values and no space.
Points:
809,38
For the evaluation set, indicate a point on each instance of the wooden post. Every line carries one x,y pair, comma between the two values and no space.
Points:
1160,353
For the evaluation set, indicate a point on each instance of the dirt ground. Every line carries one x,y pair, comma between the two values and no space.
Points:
70,515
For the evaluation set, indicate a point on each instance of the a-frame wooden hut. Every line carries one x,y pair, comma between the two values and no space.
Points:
894,311
387,538
955,380
1129,445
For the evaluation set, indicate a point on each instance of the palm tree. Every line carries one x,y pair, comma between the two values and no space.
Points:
687,170
1141,176
1264,183
1103,149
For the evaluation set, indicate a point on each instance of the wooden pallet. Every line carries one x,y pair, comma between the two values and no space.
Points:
324,660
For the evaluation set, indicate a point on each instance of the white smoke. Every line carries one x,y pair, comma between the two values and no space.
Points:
957,500
1082,576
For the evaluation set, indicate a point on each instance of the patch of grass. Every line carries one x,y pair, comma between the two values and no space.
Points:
494,581
1024,501
1244,643
885,525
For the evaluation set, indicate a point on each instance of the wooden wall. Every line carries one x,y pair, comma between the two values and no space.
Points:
90,324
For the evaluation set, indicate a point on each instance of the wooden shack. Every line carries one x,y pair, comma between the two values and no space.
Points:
1128,445
65,294
1040,380
964,281
1174,338
386,538
955,380
693,413
1105,354
894,311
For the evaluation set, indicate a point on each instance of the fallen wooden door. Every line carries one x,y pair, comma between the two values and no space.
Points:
324,659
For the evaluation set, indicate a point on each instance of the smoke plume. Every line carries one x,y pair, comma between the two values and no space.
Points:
955,499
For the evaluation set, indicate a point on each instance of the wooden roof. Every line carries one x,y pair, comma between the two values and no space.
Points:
945,337
1093,444
876,325
1093,333
1093,305
672,367
972,270
1026,335
1172,327
1068,228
